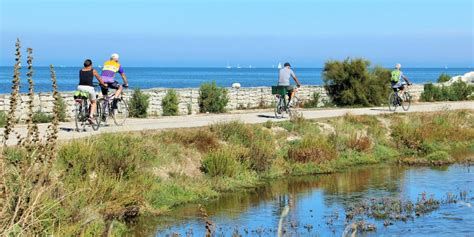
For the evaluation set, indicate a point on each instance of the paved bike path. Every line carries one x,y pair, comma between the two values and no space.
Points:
67,129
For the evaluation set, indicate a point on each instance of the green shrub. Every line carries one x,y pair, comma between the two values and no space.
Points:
62,109
222,162
457,91
444,78
138,104
460,91
429,92
262,151
234,131
41,117
351,83
313,102
170,103
311,149
3,118
212,99
438,156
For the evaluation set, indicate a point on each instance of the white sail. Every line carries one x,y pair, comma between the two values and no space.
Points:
279,66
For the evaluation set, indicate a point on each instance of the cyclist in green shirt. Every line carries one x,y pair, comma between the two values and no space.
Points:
398,80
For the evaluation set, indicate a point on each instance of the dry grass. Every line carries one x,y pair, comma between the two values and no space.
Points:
312,149
29,191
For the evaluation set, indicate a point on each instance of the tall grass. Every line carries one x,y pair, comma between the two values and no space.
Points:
29,191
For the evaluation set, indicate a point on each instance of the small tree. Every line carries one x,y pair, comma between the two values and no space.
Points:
350,82
212,98
443,78
138,104
170,103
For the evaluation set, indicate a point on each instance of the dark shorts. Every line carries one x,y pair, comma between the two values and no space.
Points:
396,86
110,85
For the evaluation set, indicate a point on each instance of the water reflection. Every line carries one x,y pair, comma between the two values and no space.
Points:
298,203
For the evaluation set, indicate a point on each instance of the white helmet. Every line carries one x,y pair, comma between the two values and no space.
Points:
398,66
114,56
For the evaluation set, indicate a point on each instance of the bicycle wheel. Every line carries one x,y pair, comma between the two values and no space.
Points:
103,112
80,116
406,101
392,102
279,109
97,117
120,112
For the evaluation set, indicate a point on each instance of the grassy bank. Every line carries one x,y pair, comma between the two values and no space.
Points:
99,185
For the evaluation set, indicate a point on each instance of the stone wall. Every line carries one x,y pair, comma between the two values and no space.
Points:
243,98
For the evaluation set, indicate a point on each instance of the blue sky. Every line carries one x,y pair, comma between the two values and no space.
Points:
259,32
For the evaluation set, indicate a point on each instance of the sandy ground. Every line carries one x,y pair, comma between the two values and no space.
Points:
251,117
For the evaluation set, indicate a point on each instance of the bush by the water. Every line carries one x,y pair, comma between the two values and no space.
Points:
422,129
258,144
457,91
138,104
311,149
170,103
438,156
444,78
222,162
350,82
212,99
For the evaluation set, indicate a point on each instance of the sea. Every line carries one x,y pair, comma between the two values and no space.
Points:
153,77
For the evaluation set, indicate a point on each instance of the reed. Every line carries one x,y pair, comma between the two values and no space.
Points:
27,190
11,118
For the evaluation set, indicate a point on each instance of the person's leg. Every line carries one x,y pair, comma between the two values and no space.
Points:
118,92
105,90
93,108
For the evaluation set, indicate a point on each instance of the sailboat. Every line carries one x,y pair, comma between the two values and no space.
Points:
228,66
238,65
279,66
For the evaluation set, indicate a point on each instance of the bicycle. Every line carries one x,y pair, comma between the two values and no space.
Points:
395,100
82,112
118,110
282,105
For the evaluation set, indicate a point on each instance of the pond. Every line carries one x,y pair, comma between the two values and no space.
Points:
318,206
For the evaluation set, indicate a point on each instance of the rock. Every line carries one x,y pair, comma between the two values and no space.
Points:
467,78
236,85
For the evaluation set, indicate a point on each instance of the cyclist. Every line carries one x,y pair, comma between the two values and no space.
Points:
396,80
284,77
108,75
86,77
